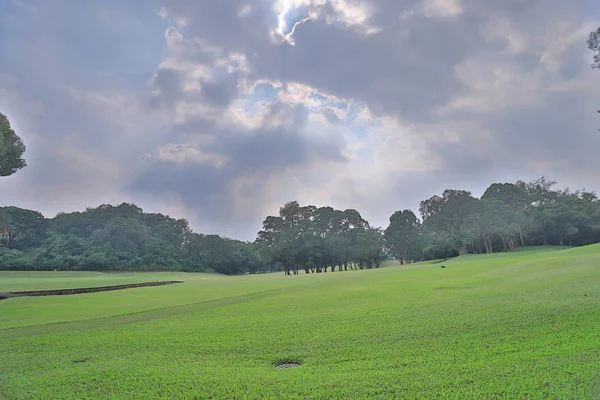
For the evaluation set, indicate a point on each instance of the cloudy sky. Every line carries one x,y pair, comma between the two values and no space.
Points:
222,111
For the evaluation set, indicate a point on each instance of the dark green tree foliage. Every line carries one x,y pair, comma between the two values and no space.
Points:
11,149
403,236
21,229
116,238
309,238
594,45
508,215
445,215
317,239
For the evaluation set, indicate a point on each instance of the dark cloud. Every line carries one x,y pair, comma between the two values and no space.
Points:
280,143
169,82
222,91
223,24
561,130
508,79
397,76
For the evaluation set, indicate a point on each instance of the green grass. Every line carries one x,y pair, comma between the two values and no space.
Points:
524,325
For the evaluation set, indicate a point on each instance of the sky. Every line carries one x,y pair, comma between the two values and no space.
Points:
220,112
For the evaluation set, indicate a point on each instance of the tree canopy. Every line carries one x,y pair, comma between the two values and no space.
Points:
594,45
117,238
317,239
11,149
303,237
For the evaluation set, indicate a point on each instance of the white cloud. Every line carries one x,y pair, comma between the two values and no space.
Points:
443,8
189,152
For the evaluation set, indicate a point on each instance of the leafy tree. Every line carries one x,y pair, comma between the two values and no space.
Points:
491,220
11,149
438,246
403,236
308,238
446,215
594,45
25,228
516,197
314,239
369,248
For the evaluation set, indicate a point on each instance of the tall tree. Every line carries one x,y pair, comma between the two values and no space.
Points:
594,45
26,228
316,239
445,215
516,198
11,149
402,236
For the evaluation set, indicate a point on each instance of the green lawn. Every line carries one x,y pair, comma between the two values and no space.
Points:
524,325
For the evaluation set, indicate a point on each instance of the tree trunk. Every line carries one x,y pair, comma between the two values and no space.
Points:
521,235
488,245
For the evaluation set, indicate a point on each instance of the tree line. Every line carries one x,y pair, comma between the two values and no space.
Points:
121,238
303,238
507,216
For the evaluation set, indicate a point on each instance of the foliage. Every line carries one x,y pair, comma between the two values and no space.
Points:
512,325
594,45
507,215
11,149
317,239
309,238
122,238
403,236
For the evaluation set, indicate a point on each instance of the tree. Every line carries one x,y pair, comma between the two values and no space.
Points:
516,197
316,239
594,45
402,236
11,149
491,219
26,228
369,248
446,215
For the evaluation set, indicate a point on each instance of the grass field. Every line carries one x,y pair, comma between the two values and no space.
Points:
524,325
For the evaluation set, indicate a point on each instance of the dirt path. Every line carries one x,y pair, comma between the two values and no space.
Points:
60,292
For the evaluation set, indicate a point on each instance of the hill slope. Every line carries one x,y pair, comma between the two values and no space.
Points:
520,325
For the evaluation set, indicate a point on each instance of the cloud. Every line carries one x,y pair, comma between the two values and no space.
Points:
222,111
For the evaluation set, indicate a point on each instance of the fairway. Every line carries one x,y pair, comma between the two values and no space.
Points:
523,325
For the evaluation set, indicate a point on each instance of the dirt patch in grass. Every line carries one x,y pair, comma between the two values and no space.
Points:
61,292
287,362
288,365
